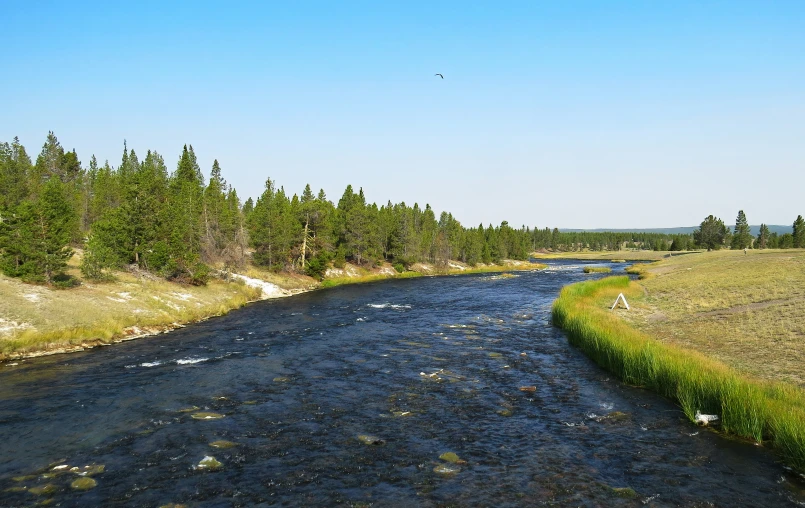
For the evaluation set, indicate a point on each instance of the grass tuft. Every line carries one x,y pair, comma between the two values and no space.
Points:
597,269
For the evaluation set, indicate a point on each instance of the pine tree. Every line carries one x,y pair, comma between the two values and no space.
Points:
763,237
741,238
15,166
798,241
182,217
34,241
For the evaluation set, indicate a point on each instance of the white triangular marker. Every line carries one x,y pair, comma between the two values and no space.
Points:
619,298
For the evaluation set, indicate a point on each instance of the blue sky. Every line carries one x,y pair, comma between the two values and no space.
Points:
568,114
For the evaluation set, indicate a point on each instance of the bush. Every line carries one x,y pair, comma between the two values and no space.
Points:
317,266
399,267
98,261
65,281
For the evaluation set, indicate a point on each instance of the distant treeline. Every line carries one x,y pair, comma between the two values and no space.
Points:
178,225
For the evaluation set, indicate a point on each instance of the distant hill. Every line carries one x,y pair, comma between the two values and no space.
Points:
675,231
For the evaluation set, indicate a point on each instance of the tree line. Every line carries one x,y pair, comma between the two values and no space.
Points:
712,234
180,225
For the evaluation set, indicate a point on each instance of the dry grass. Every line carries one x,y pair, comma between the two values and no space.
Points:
37,318
747,311
285,280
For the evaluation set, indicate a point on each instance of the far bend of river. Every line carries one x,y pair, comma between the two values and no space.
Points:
428,366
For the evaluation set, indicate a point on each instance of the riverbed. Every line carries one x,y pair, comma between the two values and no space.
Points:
417,392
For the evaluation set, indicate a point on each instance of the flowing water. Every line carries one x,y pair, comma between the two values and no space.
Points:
350,396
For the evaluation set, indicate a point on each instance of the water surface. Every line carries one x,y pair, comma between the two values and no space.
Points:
419,367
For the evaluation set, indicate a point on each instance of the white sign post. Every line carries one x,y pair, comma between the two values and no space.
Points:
618,299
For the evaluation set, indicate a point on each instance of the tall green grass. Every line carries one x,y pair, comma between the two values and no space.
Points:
597,269
747,407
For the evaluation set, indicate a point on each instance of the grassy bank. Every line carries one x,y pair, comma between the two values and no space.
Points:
355,275
748,407
747,311
613,255
597,269
39,319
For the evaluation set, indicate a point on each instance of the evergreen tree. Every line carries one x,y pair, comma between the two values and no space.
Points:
34,241
248,207
182,217
741,238
711,233
763,237
15,166
798,240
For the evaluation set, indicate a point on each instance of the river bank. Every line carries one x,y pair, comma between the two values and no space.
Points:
37,320
669,355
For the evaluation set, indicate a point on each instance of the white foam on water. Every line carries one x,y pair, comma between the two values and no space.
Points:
388,306
190,361
150,364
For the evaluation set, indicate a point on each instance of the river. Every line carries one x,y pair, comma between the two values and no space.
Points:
350,396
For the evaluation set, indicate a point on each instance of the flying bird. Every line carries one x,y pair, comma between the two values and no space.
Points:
437,74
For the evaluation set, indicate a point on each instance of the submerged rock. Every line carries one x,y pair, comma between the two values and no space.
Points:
625,492
452,458
371,440
88,470
495,355
206,416
209,463
43,490
446,469
505,412
85,483
617,416
189,409
281,379
223,444
25,478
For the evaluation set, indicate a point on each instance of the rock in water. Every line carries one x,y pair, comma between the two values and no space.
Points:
625,492
88,470
209,463
43,490
223,444
452,458
705,419
528,388
371,440
206,416
85,483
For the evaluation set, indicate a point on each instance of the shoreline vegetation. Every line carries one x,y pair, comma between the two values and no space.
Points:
705,331
51,321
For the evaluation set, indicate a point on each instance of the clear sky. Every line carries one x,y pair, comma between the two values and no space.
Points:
567,114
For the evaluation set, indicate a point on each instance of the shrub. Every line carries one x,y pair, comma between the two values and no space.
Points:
65,281
399,267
